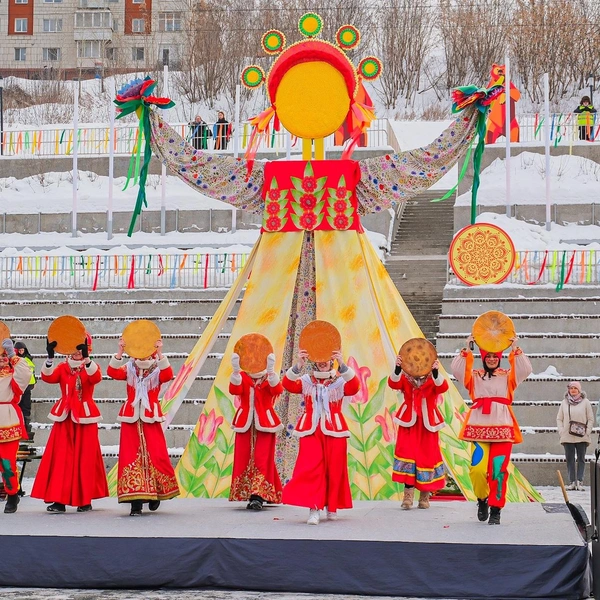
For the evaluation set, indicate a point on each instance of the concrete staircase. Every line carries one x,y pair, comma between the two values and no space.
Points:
181,316
555,330
417,263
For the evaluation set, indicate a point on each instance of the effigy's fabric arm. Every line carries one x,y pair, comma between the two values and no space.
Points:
220,177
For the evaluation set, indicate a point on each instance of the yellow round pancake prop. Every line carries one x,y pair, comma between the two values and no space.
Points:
482,253
69,332
140,338
417,355
253,349
320,339
4,333
493,331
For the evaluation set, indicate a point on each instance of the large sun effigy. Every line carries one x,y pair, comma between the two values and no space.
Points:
312,259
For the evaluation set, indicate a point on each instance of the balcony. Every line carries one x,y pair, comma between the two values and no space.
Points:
94,4
100,33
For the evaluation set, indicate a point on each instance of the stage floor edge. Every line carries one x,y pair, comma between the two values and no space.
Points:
373,549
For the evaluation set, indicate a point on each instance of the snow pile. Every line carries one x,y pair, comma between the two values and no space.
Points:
573,180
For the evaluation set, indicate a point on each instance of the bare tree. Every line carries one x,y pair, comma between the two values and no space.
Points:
402,40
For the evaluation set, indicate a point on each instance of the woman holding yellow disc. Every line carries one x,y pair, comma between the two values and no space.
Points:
256,388
72,470
145,473
490,423
320,477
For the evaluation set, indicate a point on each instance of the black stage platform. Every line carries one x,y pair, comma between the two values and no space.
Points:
373,549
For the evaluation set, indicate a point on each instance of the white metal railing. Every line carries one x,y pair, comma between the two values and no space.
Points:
556,267
564,129
93,139
193,270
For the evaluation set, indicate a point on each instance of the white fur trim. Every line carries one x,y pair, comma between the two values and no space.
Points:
439,379
163,363
91,368
428,425
115,362
324,374
394,377
236,379
59,419
47,370
348,374
269,429
273,379
258,375
292,375
403,409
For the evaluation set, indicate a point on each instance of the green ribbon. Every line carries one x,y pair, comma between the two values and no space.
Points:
561,281
7,474
461,175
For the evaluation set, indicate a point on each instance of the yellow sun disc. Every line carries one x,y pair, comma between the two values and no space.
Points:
312,100
310,24
252,76
347,36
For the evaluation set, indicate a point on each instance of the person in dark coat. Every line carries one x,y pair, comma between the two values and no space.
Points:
222,132
199,133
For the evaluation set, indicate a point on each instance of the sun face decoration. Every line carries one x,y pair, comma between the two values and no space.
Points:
312,85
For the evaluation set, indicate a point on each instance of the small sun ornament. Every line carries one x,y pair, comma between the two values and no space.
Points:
253,76
313,88
347,37
273,42
310,24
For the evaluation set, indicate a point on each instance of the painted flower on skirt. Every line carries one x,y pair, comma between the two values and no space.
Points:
339,206
341,192
341,222
274,194
363,373
208,424
309,184
388,428
273,208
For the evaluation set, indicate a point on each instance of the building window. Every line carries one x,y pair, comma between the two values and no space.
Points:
52,1
50,54
138,25
110,53
137,53
137,1
20,25
21,54
169,21
21,1
89,49
52,25
93,20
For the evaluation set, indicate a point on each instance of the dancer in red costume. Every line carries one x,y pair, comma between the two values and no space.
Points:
145,470
14,379
72,470
255,423
417,458
320,477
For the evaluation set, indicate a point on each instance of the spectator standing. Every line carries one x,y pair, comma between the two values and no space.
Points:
222,132
585,118
575,420
199,133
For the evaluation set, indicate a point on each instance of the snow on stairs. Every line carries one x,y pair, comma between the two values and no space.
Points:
181,316
417,264
561,335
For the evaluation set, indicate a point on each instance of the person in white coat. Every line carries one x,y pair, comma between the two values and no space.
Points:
575,420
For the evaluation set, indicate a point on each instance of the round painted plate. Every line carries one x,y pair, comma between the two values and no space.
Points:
482,253
320,339
253,349
417,355
4,332
493,330
69,332
140,338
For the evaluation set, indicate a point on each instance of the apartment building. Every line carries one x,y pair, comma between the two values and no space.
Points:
46,38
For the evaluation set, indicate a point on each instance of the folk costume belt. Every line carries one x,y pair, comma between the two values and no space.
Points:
486,403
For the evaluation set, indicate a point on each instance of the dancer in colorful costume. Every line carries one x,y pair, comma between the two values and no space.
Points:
320,477
71,471
145,470
490,423
254,478
14,378
417,459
